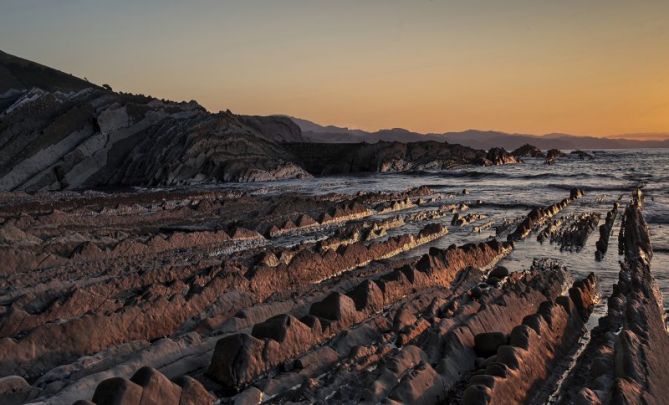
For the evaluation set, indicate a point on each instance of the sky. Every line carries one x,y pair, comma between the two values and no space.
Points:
592,67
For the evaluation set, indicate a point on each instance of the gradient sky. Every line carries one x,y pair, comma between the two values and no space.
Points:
595,67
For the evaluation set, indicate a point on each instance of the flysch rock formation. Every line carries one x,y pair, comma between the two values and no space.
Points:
204,296
58,132
605,231
625,360
97,138
125,293
96,284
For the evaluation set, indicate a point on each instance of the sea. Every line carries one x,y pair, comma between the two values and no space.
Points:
511,191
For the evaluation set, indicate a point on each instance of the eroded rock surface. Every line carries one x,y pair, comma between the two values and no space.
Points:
197,296
625,360
197,293
539,216
572,232
499,156
94,137
605,231
528,150
552,156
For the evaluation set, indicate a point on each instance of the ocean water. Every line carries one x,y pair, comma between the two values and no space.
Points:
512,191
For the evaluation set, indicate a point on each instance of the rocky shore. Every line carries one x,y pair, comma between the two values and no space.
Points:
130,275
136,297
97,138
625,359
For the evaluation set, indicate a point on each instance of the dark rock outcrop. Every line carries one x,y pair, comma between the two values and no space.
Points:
528,150
325,159
499,156
573,232
486,344
538,216
552,155
581,154
605,230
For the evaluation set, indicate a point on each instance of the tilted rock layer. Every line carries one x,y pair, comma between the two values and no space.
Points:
97,138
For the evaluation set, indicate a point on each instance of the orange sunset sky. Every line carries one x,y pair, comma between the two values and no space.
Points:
595,67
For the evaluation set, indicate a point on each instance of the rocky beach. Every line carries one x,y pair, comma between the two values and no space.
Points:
153,252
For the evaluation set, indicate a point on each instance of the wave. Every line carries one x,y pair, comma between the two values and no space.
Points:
477,174
584,187
657,216
570,175
510,205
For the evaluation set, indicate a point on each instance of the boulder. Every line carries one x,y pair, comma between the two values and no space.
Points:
193,392
117,391
335,307
528,150
225,367
16,390
499,156
157,389
499,272
486,344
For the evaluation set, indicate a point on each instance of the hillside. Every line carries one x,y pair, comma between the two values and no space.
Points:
58,132
21,74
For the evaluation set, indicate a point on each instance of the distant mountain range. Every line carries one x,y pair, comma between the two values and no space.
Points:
474,138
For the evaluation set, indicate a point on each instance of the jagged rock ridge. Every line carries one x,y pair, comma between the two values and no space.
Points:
97,138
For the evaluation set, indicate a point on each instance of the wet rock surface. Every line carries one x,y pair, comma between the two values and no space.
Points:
194,296
200,293
624,362
499,156
553,155
605,231
539,216
528,150
571,232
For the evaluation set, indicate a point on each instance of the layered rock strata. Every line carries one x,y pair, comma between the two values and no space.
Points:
605,231
573,232
625,360
239,359
525,359
538,216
